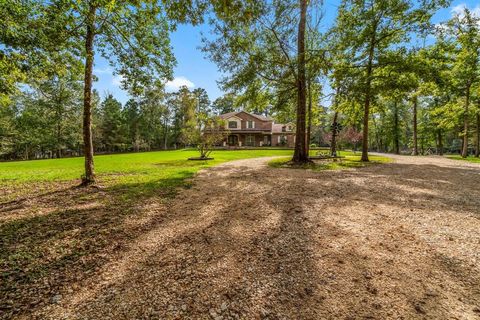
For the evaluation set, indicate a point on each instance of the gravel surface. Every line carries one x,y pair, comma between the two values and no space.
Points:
392,241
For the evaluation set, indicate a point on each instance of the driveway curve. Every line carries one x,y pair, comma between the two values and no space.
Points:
392,241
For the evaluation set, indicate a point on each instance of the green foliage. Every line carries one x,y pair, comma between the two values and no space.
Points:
205,133
224,104
111,124
373,56
258,54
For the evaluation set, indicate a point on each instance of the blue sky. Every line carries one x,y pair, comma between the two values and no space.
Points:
196,71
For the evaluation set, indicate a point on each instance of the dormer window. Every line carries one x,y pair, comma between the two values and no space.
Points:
250,124
232,124
284,129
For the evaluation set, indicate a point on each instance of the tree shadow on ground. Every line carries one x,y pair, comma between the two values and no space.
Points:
268,255
247,247
62,237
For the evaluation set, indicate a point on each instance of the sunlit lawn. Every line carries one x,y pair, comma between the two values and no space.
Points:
469,159
137,174
350,160
134,173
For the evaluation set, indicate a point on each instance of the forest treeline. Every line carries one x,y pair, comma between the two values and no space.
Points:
40,126
387,70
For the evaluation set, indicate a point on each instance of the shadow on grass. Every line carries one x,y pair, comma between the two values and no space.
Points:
335,164
42,254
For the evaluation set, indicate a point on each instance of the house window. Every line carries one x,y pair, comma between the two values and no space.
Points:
250,124
249,141
232,124
284,129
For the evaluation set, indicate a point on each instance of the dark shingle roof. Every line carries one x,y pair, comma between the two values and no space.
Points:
231,114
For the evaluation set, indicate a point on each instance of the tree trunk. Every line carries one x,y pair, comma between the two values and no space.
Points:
300,155
309,126
165,137
58,131
59,137
477,135
415,138
440,143
89,177
465,124
378,141
396,128
333,145
366,110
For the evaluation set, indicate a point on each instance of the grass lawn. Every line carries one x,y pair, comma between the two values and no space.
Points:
469,158
351,160
134,173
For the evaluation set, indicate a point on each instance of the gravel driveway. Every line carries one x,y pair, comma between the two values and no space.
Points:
393,241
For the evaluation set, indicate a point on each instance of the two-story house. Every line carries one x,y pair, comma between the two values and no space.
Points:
248,129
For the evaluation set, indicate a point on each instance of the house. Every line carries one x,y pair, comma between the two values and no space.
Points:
253,130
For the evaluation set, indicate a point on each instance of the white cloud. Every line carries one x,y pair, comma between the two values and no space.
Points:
178,82
476,11
459,10
117,80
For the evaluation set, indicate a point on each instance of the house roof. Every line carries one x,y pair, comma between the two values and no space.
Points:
231,114
227,115
278,128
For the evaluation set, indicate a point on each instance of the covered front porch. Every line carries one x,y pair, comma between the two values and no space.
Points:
248,140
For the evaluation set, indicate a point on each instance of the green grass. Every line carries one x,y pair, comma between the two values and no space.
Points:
143,163
138,164
351,160
469,159
133,173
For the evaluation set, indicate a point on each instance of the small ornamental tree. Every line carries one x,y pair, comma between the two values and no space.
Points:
352,136
204,134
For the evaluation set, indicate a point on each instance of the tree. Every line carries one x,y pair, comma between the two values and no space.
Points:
351,136
8,131
224,104
370,29
131,118
152,110
477,133
464,29
204,132
267,59
111,124
203,101
133,35
23,53
300,154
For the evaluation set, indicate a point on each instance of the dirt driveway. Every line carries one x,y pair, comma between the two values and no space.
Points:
393,241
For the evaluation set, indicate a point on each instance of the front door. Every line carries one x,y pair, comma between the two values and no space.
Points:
267,140
232,140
